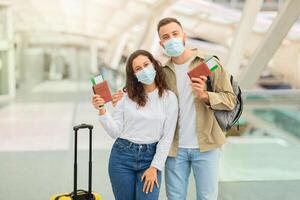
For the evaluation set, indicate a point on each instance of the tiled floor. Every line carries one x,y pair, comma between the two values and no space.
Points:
36,126
36,144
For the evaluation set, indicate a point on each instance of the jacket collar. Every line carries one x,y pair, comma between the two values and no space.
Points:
197,55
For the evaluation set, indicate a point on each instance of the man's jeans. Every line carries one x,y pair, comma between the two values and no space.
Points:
205,167
127,163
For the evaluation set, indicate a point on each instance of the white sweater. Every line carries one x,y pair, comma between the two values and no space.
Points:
155,122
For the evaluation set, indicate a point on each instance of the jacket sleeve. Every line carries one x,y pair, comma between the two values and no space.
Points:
222,97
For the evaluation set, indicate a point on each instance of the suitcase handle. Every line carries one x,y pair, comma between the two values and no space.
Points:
82,126
76,128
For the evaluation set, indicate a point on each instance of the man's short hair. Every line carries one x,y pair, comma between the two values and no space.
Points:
166,21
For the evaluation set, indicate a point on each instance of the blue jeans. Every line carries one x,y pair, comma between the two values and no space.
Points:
127,163
205,167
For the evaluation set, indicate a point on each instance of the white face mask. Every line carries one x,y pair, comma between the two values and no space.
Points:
174,47
146,75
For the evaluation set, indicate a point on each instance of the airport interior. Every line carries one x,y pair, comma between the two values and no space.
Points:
49,50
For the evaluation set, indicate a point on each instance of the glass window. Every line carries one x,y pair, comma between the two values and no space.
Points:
268,148
3,73
2,22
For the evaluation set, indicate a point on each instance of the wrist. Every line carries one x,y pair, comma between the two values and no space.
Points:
153,168
204,97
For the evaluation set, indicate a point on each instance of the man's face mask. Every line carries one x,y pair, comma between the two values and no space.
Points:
174,47
146,75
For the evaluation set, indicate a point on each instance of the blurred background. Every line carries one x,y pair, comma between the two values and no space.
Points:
49,50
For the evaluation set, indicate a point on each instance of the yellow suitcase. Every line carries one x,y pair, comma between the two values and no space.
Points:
80,194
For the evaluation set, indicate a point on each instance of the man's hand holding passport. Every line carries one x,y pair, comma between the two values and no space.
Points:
203,69
198,76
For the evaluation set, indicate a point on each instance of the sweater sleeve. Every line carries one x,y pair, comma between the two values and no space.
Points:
113,123
164,143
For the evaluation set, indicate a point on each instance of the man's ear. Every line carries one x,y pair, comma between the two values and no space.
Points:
184,38
161,44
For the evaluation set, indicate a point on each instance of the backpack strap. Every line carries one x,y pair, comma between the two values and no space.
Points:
209,84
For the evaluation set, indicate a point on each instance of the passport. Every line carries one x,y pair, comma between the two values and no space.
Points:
102,89
200,70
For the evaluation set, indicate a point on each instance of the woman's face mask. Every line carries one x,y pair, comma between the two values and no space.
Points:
174,47
146,75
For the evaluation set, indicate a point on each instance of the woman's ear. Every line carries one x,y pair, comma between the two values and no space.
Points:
155,64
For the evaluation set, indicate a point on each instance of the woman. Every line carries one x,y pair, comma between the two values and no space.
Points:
143,122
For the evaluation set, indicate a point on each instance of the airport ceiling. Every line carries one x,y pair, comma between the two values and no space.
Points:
101,19
106,19
105,22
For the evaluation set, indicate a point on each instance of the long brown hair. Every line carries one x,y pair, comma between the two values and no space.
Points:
134,88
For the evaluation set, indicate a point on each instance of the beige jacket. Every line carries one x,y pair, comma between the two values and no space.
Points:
210,135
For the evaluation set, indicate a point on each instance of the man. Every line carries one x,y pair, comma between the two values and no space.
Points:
198,137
